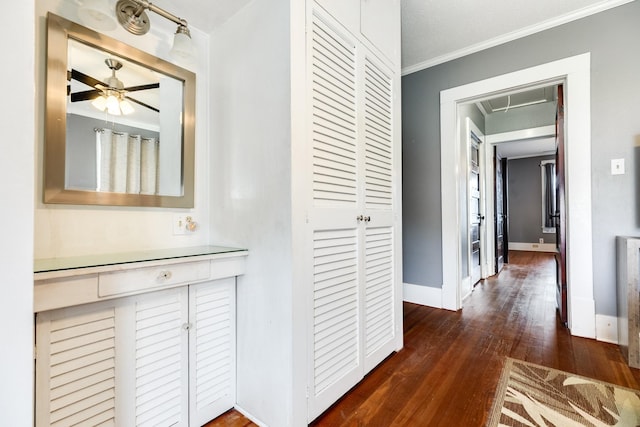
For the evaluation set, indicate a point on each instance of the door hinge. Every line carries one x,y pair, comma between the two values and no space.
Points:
35,352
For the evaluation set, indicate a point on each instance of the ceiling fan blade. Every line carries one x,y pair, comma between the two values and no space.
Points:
142,103
85,96
83,78
142,87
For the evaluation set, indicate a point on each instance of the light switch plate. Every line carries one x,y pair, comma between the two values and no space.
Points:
179,224
617,166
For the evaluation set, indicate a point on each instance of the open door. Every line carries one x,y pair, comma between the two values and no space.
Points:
475,209
560,215
500,220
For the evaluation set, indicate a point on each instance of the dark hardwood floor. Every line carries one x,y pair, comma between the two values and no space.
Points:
451,362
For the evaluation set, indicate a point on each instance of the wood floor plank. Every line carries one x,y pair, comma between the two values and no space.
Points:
451,362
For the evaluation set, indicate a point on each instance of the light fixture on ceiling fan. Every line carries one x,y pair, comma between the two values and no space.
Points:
132,16
112,97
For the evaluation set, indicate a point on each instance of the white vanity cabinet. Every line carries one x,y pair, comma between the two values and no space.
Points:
156,351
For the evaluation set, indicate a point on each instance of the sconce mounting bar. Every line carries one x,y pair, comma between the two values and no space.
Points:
132,16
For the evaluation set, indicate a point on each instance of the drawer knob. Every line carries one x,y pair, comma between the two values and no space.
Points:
165,275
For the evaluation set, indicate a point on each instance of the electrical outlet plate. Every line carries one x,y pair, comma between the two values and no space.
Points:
179,224
617,166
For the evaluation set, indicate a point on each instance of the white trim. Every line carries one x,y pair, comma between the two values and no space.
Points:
423,295
514,35
519,135
532,247
248,415
576,72
607,328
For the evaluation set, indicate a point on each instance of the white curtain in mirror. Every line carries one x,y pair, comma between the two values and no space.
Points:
148,166
126,163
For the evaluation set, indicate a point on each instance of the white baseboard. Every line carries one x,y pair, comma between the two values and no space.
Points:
534,247
582,322
607,328
249,416
423,295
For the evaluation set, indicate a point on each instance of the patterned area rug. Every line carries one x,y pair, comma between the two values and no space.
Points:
533,395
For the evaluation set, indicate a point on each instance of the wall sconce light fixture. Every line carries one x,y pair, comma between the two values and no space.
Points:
132,15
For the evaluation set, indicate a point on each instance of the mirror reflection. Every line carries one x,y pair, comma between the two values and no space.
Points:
114,125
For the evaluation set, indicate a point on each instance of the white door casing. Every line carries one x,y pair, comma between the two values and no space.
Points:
576,72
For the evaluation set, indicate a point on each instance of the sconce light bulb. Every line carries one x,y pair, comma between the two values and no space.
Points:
182,49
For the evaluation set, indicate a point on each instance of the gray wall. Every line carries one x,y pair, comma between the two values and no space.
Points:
525,200
612,38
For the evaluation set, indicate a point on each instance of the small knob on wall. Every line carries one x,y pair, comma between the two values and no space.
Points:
191,225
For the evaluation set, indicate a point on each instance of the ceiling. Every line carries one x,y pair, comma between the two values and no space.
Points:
434,31
527,148
517,100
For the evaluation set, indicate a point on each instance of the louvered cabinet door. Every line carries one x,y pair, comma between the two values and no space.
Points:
76,366
153,359
212,354
162,359
377,162
334,347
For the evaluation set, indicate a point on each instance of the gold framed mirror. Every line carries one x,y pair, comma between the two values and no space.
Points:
119,123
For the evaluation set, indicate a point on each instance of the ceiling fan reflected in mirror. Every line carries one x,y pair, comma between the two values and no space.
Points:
111,95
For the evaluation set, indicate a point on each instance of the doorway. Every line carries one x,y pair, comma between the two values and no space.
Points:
575,71
516,147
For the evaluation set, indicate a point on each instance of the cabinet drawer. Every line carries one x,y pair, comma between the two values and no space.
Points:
132,281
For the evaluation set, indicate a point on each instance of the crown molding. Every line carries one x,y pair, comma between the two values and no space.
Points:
514,35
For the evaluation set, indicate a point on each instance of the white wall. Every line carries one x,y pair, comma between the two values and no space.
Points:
16,212
65,230
251,197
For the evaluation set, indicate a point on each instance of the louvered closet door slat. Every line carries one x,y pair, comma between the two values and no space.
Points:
160,362
334,117
378,140
79,348
379,292
335,304
212,349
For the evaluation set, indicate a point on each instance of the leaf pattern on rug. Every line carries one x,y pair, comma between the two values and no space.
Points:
536,396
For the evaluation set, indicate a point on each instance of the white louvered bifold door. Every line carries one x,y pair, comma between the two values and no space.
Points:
75,366
211,349
380,300
335,359
352,145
